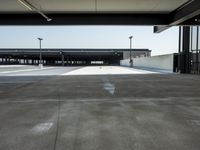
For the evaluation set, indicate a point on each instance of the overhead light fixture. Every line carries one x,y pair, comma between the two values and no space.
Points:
197,19
25,4
28,5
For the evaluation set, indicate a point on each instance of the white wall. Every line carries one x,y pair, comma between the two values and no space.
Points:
125,62
159,62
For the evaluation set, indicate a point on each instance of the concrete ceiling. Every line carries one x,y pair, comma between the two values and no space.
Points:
93,6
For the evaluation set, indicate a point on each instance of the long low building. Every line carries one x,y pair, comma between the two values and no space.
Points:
69,56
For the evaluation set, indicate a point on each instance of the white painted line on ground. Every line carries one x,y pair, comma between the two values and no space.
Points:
18,82
25,70
11,66
99,100
106,70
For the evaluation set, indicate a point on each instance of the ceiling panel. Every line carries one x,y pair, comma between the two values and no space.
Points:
112,6
49,5
66,5
139,5
11,5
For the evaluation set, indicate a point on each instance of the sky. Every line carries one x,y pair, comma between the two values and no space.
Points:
89,37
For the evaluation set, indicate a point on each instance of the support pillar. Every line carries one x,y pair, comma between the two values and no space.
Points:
184,52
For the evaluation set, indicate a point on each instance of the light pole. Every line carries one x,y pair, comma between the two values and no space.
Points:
40,63
131,61
62,57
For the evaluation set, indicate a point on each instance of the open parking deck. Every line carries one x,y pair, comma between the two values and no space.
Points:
100,112
23,70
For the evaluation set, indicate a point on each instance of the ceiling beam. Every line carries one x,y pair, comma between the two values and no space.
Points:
158,29
161,21
184,15
193,21
85,19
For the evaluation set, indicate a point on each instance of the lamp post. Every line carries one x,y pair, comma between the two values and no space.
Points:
62,58
40,63
131,61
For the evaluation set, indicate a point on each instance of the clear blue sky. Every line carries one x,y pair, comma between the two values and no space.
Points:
89,37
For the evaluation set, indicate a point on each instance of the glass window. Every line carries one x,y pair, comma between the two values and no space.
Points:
181,39
191,33
194,38
199,38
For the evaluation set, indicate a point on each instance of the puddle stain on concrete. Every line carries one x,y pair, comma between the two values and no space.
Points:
42,127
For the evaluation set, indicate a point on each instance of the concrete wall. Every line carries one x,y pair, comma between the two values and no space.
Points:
159,62
125,62
145,53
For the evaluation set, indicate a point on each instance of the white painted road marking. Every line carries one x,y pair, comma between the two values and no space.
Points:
25,70
11,66
109,87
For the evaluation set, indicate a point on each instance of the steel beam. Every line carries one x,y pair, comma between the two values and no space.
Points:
186,12
158,29
184,15
85,19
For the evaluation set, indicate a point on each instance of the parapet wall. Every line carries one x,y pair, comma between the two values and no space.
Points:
158,62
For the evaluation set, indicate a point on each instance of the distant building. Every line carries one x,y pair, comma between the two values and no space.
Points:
69,56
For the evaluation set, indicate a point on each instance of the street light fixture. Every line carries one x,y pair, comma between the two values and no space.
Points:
31,7
40,63
131,61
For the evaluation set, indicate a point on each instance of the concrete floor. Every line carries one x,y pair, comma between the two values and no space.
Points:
104,112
